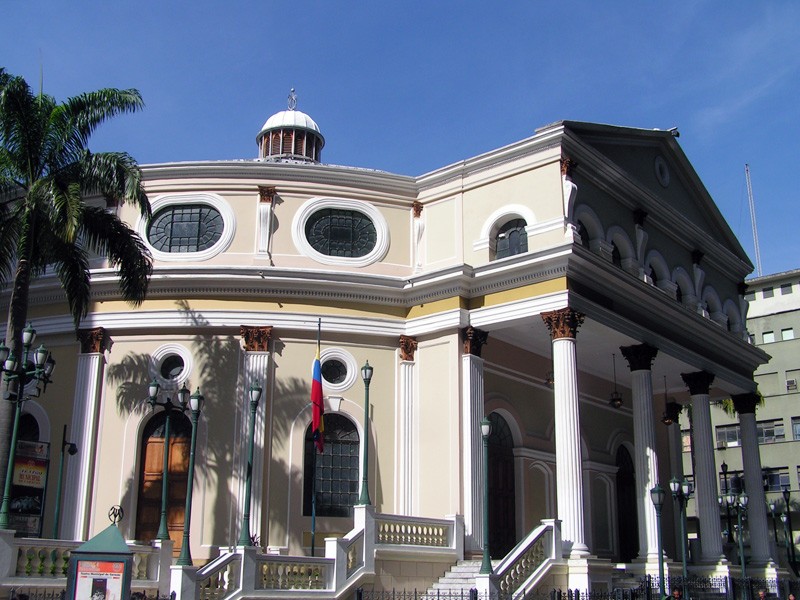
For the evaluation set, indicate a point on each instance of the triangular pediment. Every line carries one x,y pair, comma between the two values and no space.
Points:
662,181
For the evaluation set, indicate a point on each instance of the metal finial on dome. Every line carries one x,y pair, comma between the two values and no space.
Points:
292,99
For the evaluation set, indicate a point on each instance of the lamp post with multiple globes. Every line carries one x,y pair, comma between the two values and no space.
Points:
18,375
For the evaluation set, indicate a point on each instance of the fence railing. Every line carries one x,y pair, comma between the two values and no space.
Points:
38,567
524,566
246,571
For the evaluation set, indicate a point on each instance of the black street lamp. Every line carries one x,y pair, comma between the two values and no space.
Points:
680,493
486,430
168,405
366,375
72,450
784,520
724,468
18,376
772,507
195,405
739,504
255,396
786,499
657,496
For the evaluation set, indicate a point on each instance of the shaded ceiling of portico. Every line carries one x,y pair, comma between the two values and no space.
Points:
595,344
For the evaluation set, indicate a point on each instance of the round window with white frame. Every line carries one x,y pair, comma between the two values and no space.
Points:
171,366
188,227
339,231
339,370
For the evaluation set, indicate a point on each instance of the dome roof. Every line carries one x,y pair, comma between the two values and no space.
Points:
290,135
291,118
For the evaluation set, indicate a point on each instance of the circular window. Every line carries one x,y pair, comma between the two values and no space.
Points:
185,228
662,171
337,232
339,370
171,367
334,371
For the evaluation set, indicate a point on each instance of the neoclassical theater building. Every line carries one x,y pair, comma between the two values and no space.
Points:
575,288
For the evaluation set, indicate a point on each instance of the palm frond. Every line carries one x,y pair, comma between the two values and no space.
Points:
108,235
72,268
117,177
86,111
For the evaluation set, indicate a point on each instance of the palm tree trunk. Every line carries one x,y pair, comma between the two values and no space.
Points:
17,315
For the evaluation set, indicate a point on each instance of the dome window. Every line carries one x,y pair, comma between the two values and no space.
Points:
185,228
342,233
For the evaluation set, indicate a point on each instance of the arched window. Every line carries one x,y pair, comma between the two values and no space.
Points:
28,428
334,474
511,239
148,508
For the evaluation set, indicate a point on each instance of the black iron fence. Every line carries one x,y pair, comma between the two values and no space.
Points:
678,588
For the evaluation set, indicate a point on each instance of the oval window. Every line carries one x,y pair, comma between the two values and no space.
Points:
185,228
339,232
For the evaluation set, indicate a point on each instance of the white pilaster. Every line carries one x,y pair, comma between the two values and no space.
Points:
79,480
705,470
645,462
404,435
569,488
756,507
256,364
473,474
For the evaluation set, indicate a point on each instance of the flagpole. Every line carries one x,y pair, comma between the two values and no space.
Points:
313,499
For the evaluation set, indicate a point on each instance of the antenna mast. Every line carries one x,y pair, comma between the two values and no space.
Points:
753,218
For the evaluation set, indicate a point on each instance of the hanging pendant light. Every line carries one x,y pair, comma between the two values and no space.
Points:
616,399
667,418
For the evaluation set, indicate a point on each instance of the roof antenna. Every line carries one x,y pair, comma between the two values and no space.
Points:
292,99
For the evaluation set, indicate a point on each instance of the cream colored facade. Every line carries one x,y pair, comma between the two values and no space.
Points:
627,255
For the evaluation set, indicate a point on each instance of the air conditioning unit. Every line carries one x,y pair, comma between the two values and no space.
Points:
791,384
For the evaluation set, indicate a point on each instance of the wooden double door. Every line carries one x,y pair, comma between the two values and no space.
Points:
148,507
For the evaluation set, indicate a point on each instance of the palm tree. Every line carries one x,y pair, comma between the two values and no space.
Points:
47,173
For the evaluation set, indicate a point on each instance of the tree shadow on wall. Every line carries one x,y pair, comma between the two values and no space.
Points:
217,357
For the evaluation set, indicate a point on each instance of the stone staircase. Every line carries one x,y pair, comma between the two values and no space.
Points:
457,582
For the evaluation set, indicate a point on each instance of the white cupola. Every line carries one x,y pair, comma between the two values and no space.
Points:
290,135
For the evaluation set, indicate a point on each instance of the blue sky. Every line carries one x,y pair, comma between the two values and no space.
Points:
410,86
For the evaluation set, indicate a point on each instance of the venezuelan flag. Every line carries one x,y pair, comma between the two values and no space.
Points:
317,406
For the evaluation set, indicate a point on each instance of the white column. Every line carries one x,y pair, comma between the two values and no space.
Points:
472,475
563,325
255,369
645,460
79,480
404,436
705,477
745,405
256,365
